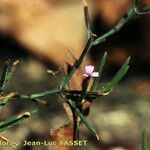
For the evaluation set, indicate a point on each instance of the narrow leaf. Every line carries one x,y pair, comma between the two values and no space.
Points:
39,95
100,69
7,73
4,74
11,71
84,120
77,63
144,144
118,76
14,120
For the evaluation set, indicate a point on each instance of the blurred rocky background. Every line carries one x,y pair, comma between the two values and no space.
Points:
47,34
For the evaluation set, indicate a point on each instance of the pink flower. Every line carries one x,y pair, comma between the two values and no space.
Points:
89,72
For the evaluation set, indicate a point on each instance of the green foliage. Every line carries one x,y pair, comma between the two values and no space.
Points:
82,117
144,144
7,73
100,69
6,124
108,87
74,98
133,11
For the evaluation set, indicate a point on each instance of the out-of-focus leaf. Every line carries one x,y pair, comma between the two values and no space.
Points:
144,144
105,89
4,74
7,73
100,69
14,120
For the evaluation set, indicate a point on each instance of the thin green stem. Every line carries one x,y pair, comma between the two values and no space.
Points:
100,69
133,11
144,141
87,20
4,74
39,95
139,10
85,87
77,63
86,122
130,14
88,95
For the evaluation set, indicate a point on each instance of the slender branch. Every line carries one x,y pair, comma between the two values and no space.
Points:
39,95
133,11
146,10
67,77
130,14
139,10
77,63
87,18
86,122
71,96
142,11
75,129
84,88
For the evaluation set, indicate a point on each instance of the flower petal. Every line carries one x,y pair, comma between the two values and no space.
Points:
95,74
91,69
85,75
87,70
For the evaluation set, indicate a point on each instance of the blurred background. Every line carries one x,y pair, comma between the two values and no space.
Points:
47,34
